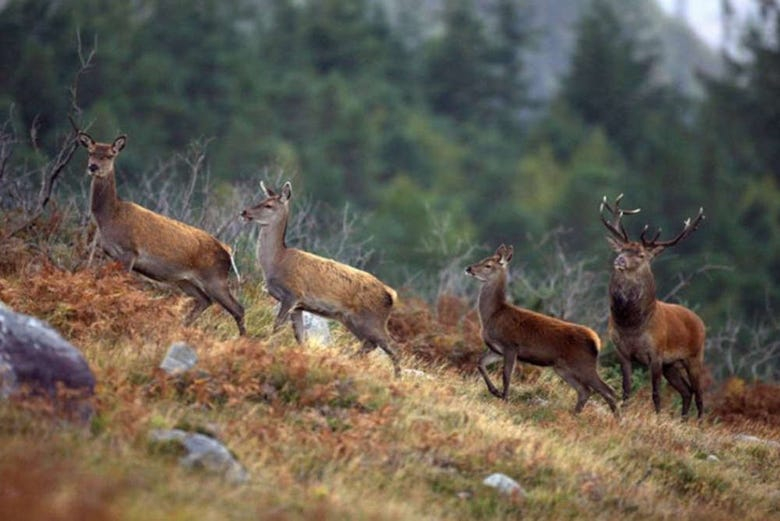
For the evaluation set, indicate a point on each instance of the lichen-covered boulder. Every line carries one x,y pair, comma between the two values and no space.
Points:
35,359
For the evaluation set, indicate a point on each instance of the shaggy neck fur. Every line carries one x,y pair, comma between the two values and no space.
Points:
632,298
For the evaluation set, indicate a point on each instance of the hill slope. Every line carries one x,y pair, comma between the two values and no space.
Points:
327,436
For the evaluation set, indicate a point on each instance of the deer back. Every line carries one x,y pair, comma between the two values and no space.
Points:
548,335
165,243
329,286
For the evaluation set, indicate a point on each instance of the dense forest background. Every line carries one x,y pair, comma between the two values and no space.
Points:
447,127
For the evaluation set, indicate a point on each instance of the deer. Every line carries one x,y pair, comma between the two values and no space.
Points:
302,281
156,246
667,338
512,333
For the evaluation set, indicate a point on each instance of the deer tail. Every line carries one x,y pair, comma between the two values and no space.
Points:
594,342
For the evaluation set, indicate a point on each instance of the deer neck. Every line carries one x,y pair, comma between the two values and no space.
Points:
103,197
492,296
272,245
632,299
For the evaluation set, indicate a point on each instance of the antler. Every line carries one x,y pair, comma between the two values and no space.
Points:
688,228
616,228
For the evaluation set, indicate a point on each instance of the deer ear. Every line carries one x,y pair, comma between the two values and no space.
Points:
266,191
505,254
286,191
86,140
655,251
510,250
119,143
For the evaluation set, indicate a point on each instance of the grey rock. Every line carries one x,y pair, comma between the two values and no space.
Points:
316,328
504,484
713,458
755,439
203,452
179,358
34,355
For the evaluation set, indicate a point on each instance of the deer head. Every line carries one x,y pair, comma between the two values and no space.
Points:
101,155
634,256
272,209
488,268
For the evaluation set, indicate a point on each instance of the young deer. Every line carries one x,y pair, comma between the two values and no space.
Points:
665,337
301,281
513,333
156,246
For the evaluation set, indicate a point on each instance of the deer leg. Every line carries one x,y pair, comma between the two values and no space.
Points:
202,300
385,345
583,393
675,379
694,370
489,358
365,348
373,333
655,378
285,305
510,357
601,387
625,368
296,317
220,292
369,345
127,259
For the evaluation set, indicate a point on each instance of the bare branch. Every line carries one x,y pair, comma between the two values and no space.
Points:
51,172
686,279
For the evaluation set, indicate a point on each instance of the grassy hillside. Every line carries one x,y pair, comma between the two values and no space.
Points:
327,436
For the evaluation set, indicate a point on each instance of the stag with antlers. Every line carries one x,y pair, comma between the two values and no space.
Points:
667,338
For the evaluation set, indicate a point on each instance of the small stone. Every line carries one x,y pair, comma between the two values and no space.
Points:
203,452
180,358
504,484
713,458
416,373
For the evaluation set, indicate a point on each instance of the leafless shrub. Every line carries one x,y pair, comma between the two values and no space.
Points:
17,181
750,352
178,186
449,250
564,285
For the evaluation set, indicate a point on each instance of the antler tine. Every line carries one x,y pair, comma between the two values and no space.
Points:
645,242
688,228
616,228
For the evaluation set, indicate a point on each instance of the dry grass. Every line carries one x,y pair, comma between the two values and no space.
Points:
328,436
